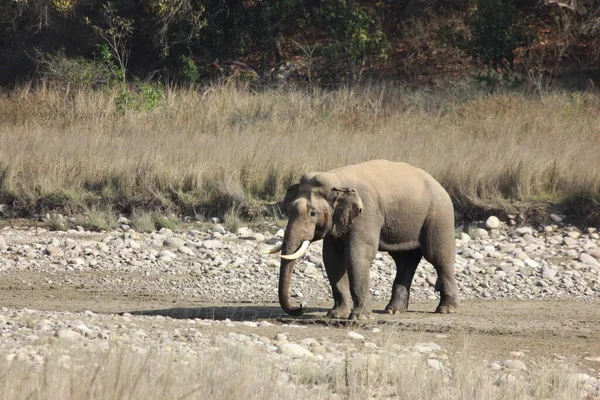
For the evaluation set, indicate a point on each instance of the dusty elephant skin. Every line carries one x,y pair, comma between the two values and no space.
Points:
358,210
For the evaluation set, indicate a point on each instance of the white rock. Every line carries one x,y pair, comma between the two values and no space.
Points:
480,233
515,365
492,222
356,336
185,250
433,346
524,230
434,364
244,231
495,366
166,253
422,349
588,260
295,351
548,273
173,242
313,271
67,334
54,251
556,218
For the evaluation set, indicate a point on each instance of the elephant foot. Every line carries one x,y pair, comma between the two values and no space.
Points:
339,312
394,310
447,307
361,315
395,307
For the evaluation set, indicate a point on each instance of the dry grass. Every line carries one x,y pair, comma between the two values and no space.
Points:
208,151
125,372
462,377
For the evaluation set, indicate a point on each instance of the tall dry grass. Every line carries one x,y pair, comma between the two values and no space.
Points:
129,372
225,147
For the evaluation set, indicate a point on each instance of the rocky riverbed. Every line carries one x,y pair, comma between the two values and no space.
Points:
530,298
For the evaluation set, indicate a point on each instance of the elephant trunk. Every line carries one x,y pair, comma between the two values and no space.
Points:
285,277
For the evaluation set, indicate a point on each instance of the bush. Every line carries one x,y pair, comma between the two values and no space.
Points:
495,32
73,71
145,96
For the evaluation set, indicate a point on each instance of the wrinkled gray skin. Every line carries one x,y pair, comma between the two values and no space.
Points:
360,209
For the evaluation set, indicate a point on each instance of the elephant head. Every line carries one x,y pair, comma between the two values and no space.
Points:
317,208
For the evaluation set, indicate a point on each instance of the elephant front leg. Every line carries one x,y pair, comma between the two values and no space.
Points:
359,257
334,260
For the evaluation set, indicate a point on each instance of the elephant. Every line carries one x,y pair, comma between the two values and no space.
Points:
358,210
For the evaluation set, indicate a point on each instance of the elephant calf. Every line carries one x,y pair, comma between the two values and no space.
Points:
358,210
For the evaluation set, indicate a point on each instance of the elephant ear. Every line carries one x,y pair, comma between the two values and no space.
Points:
347,205
290,195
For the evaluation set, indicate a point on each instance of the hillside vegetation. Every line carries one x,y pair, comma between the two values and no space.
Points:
201,108
324,42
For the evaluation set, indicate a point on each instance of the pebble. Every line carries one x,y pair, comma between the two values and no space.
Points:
435,365
524,230
548,273
68,334
54,251
514,365
295,350
492,222
173,242
355,336
589,259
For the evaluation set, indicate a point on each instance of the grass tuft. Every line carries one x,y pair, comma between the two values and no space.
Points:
142,221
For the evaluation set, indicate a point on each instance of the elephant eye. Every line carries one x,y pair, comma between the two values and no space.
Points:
313,213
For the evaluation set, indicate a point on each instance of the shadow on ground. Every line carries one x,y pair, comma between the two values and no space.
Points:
234,313
315,315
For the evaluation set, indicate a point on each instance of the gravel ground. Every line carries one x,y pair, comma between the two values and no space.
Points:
89,289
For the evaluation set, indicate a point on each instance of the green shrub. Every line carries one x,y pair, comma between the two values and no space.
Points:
189,69
144,96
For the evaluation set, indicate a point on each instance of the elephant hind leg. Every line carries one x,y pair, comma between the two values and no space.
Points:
406,265
439,249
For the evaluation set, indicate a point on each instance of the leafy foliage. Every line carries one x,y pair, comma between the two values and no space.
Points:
495,32
331,40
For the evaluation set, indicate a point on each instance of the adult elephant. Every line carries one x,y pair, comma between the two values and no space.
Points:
358,210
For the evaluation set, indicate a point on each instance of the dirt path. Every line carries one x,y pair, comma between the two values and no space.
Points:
489,328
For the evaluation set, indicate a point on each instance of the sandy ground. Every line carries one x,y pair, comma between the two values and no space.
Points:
489,329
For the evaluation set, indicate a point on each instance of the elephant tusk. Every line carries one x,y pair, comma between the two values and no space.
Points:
298,253
273,250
